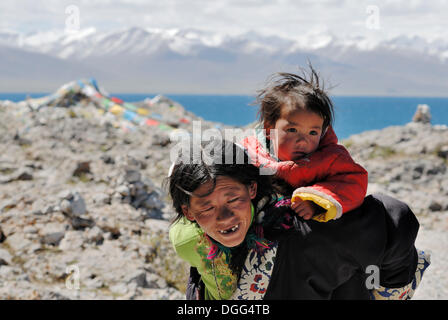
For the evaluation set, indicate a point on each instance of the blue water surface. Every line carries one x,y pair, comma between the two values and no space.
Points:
352,114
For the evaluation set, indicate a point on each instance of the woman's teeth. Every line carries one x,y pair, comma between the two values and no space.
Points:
232,229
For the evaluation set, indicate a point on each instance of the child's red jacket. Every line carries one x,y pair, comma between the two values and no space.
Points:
328,176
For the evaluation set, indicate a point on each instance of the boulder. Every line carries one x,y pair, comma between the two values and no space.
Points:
422,114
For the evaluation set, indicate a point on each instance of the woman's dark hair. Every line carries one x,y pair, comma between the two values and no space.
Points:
292,91
214,159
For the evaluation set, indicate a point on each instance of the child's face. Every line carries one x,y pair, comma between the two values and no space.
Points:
297,134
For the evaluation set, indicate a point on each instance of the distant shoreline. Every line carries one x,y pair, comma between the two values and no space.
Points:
354,114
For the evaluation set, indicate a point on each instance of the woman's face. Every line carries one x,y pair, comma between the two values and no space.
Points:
225,214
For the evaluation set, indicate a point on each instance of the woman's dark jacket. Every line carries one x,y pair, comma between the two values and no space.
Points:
333,260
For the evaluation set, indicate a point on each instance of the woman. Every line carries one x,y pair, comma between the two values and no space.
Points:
244,242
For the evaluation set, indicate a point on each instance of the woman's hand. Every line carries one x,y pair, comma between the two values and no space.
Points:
305,209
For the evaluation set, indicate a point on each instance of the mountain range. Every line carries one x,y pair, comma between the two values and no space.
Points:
139,60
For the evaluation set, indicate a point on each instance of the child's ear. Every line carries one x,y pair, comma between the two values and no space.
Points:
187,213
253,190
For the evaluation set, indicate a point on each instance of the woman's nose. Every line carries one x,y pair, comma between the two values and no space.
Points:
224,213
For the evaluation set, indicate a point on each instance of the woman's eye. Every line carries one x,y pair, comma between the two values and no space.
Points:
206,211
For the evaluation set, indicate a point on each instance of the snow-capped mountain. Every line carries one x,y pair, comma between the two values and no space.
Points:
189,60
90,42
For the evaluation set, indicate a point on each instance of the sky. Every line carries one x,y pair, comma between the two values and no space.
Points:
286,18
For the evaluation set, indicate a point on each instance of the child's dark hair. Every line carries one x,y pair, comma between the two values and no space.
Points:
232,161
288,90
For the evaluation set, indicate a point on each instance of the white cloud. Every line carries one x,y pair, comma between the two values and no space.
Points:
342,18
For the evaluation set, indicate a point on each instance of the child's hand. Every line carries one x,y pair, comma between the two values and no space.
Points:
305,209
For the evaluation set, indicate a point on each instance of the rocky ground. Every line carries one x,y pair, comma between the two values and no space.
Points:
83,214
410,163
81,205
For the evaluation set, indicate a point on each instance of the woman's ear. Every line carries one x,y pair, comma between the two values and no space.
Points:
187,212
267,128
253,190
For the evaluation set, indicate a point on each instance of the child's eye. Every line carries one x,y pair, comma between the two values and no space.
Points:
233,200
291,130
314,133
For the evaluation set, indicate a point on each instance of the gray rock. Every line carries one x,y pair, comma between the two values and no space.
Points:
93,283
24,175
65,194
81,168
78,205
52,295
162,141
435,206
107,159
18,242
95,235
74,207
79,223
101,198
5,257
422,114
41,207
155,282
21,141
50,208
443,152
137,201
72,241
153,202
30,229
154,214
132,176
127,199
8,204
2,236
66,206
123,190
137,189
9,272
120,288
52,238
139,278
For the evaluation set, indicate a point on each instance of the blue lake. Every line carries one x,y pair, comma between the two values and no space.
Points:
352,114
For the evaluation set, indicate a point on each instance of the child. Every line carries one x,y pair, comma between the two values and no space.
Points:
297,116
